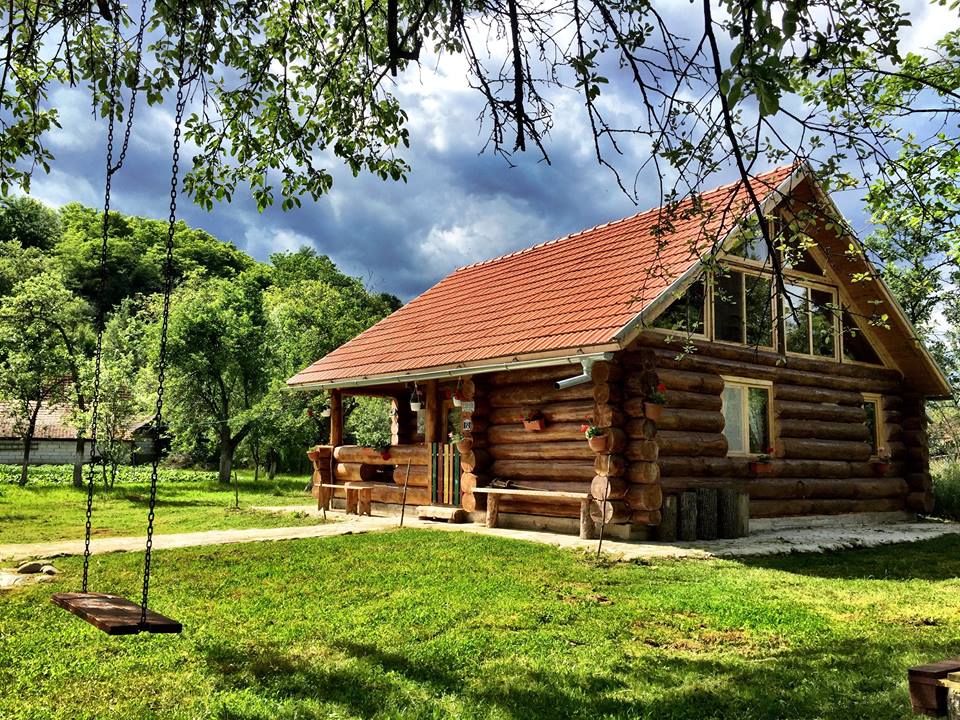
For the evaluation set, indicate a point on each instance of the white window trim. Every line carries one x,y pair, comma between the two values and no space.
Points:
748,383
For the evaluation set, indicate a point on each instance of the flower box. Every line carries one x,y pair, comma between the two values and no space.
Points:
598,443
652,411
880,467
533,425
761,467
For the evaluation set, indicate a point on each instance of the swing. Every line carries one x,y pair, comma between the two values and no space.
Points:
113,614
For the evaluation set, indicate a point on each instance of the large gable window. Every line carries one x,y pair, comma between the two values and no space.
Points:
686,313
856,347
746,415
809,320
742,309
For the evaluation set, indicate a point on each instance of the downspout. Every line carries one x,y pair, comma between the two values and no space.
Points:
585,376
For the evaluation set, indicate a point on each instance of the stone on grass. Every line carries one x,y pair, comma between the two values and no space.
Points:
49,570
29,568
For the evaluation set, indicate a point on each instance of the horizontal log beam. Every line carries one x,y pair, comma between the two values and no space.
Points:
506,434
573,450
823,430
818,411
553,470
674,442
788,508
690,420
807,449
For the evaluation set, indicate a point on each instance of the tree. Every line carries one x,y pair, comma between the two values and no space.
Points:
35,363
218,361
18,263
284,84
28,222
123,364
311,308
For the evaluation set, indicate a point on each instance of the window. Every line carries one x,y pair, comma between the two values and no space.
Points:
685,314
874,421
742,309
856,347
751,246
746,414
810,321
795,254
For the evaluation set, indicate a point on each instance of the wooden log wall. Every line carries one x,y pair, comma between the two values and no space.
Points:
906,428
352,463
821,462
628,473
555,458
474,462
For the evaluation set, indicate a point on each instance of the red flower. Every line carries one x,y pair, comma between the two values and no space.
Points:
661,388
309,412
584,428
770,451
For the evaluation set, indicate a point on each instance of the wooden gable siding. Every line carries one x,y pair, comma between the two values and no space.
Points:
822,458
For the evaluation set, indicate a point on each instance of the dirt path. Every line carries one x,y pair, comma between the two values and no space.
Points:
769,541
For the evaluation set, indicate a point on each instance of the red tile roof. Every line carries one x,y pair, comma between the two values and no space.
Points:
575,292
54,422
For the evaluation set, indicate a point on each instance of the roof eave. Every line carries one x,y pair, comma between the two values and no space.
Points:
516,362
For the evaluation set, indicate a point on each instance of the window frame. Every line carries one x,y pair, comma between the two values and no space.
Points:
707,334
809,286
843,339
745,272
747,383
877,400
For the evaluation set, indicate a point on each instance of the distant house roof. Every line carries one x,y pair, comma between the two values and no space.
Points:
572,293
586,294
53,423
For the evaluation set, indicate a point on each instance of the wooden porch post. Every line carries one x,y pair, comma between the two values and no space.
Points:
431,423
336,418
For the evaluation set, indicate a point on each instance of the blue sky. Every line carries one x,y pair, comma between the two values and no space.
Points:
458,205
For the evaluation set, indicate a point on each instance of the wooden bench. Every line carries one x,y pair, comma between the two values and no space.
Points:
929,685
359,496
587,531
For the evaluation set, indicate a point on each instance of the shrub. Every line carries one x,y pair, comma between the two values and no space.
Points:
946,490
63,474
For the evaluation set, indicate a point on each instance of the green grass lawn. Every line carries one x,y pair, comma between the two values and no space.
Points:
420,624
47,511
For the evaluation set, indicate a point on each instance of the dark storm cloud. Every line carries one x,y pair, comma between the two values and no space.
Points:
458,206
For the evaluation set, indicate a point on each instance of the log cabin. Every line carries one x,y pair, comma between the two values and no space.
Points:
706,356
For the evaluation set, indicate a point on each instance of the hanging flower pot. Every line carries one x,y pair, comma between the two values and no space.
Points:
598,443
596,436
763,465
654,402
532,421
457,400
415,405
652,411
880,467
463,443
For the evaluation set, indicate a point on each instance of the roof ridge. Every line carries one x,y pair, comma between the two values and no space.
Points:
608,223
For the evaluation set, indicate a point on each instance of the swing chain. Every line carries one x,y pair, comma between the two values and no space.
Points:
165,320
101,303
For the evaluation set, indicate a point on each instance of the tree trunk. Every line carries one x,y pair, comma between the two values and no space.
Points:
226,461
271,465
78,461
27,441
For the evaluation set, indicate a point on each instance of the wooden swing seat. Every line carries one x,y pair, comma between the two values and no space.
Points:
113,614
